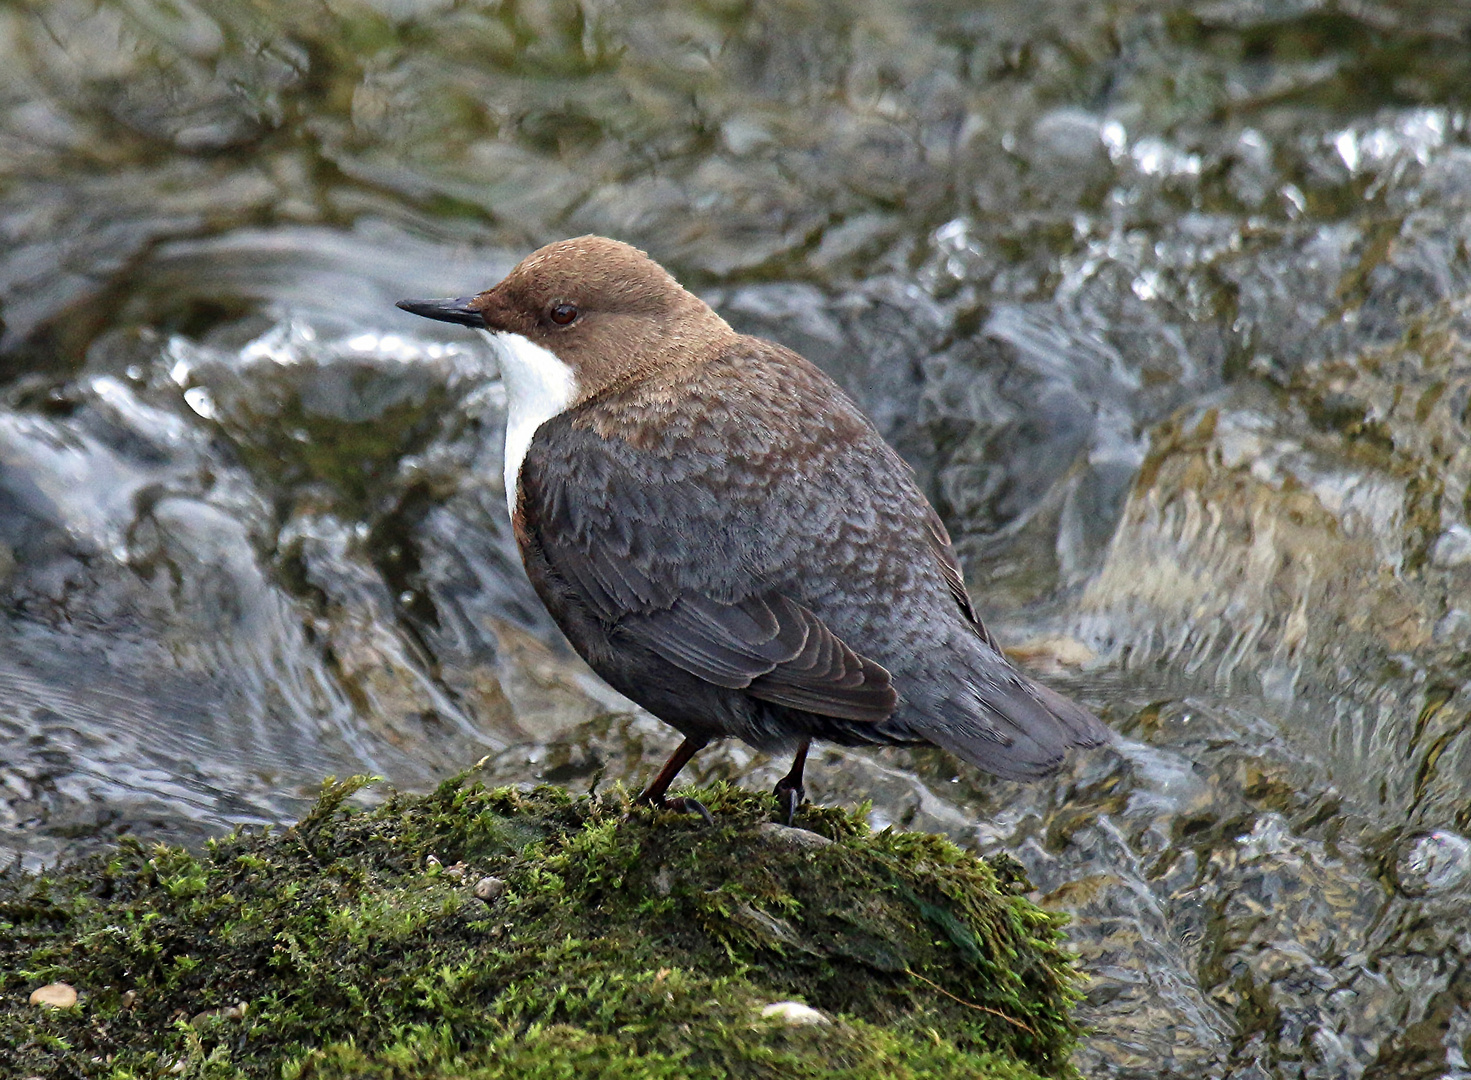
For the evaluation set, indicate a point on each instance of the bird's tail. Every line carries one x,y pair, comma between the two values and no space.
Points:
1007,724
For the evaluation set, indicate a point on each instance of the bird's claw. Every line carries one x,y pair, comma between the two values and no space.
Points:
686,805
787,801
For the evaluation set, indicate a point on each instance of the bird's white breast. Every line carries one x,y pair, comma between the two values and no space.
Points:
538,386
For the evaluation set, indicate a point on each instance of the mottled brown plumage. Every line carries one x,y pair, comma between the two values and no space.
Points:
726,539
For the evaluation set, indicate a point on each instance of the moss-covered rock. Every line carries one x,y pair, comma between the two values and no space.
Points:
497,933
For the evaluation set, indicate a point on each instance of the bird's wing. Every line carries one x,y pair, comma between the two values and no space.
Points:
773,648
654,550
939,540
1082,727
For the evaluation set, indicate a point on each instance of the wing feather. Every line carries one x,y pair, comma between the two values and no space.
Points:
741,636
944,551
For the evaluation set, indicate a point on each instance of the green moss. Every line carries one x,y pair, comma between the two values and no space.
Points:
624,943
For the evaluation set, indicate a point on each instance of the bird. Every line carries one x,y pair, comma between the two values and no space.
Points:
728,541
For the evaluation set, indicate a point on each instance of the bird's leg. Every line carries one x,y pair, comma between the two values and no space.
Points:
653,795
789,791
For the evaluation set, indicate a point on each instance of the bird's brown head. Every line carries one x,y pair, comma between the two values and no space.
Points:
602,307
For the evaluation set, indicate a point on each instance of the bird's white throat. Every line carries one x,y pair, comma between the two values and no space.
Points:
538,387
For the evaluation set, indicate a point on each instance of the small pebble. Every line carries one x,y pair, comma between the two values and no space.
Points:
236,1011
489,889
457,871
794,1013
432,864
129,999
57,995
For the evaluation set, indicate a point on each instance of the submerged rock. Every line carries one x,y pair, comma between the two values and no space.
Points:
623,942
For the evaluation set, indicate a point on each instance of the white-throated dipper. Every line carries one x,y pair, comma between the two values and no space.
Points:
726,539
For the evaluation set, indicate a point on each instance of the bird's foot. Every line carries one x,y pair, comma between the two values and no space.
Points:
788,798
686,805
681,804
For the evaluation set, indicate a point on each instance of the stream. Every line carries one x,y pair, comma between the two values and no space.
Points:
1168,304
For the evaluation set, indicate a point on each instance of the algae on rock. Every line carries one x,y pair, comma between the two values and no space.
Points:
613,941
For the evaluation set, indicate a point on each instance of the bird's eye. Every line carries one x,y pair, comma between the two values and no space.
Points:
563,314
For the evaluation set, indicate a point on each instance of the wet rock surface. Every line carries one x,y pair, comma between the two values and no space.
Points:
1165,302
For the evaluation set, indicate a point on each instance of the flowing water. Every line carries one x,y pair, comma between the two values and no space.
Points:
1169,305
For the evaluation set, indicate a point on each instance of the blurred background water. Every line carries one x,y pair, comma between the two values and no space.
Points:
1168,303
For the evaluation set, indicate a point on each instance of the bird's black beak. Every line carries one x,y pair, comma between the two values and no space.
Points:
456,311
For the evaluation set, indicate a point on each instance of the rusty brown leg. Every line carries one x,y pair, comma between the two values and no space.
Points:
653,795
